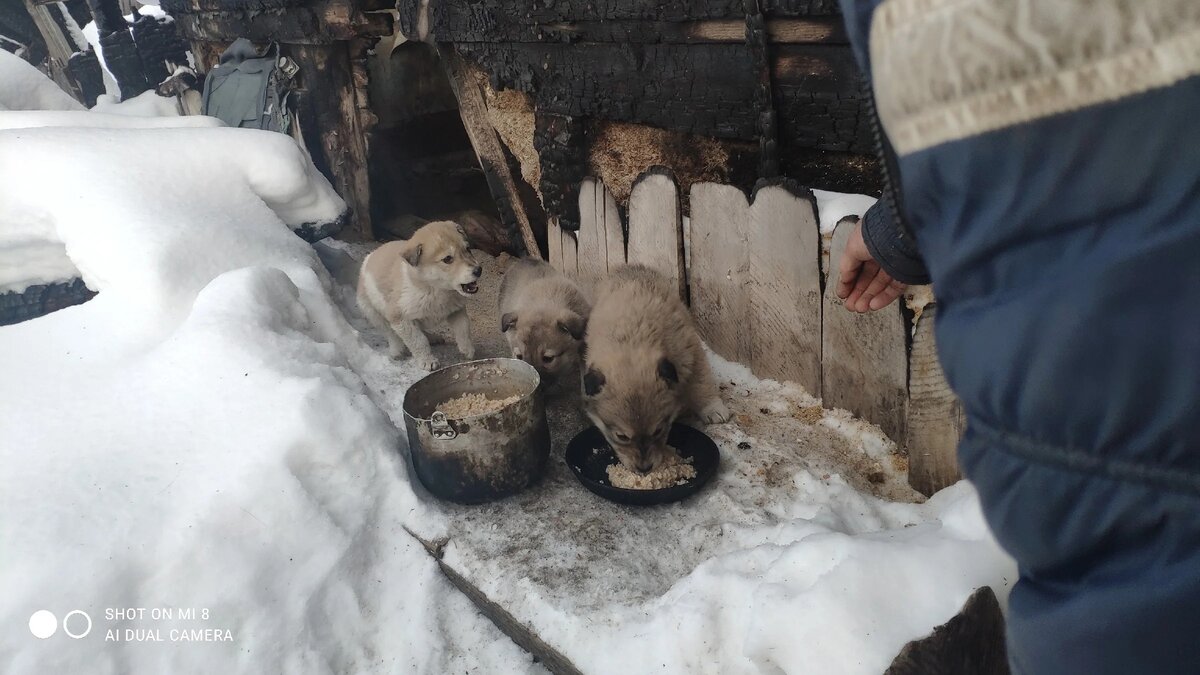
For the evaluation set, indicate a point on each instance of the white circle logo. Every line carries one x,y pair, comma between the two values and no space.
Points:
68,618
43,624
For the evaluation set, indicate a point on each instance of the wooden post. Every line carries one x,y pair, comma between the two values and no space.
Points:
864,361
57,43
935,415
328,115
656,226
473,109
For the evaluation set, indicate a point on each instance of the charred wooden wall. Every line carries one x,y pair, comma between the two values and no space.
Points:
328,40
772,83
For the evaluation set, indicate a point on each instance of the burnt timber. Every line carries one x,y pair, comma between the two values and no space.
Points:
773,75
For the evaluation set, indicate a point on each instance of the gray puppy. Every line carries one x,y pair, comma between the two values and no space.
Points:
543,315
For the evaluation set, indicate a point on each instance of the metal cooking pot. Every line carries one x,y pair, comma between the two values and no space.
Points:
478,458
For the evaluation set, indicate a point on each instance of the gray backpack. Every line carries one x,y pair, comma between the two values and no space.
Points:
250,90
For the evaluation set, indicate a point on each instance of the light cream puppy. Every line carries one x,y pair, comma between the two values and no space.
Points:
543,315
644,366
422,280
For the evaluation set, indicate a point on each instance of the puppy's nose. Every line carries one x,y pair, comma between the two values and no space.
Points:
478,271
644,465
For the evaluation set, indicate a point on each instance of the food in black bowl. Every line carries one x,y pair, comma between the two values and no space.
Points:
590,457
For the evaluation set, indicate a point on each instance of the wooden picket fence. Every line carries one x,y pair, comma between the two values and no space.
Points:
755,275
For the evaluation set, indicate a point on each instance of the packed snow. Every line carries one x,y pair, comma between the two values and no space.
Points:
211,441
23,87
832,207
195,437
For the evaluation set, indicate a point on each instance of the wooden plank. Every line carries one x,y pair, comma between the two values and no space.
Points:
656,228
551,658
864,357
785,288
719,276
592,256
327,110
570,254
58,44
935,415
554,244
473,109
614,232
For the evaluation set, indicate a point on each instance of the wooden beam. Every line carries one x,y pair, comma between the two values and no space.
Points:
323,24
57,43
935,415
864,359
489,150
327,112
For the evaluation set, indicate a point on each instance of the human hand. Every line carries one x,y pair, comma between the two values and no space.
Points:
862,283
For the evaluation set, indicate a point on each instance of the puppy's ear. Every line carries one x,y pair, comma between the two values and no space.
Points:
572,324
462,232
413,255
507,321
593,382
666,370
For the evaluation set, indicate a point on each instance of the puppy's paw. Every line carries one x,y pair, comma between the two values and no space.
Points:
427,362
715,412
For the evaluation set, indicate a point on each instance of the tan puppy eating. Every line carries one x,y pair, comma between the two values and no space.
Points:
644,366
543,315
421,280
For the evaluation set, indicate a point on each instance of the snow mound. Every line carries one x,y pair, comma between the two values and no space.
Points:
100,120
145,104
834,206
194,441
23,87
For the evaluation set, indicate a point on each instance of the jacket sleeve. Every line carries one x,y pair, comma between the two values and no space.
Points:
887,237
890,246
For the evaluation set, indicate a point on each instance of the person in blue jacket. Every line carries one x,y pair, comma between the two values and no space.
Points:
1043,170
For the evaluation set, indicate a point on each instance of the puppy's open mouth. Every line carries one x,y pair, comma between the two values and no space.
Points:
471,288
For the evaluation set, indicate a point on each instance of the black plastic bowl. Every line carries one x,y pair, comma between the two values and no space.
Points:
591,467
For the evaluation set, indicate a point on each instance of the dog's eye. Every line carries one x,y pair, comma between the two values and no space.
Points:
620,437
547,358
448,259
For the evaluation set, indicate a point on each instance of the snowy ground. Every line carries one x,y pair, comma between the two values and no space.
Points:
212,434
806,554
196,437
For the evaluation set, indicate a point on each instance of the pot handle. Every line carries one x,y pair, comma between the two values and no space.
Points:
441,427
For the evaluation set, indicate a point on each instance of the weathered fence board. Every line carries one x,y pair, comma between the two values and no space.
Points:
601,239
656,228
935,415
720,273
785,290
864,356
554,244
753,271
